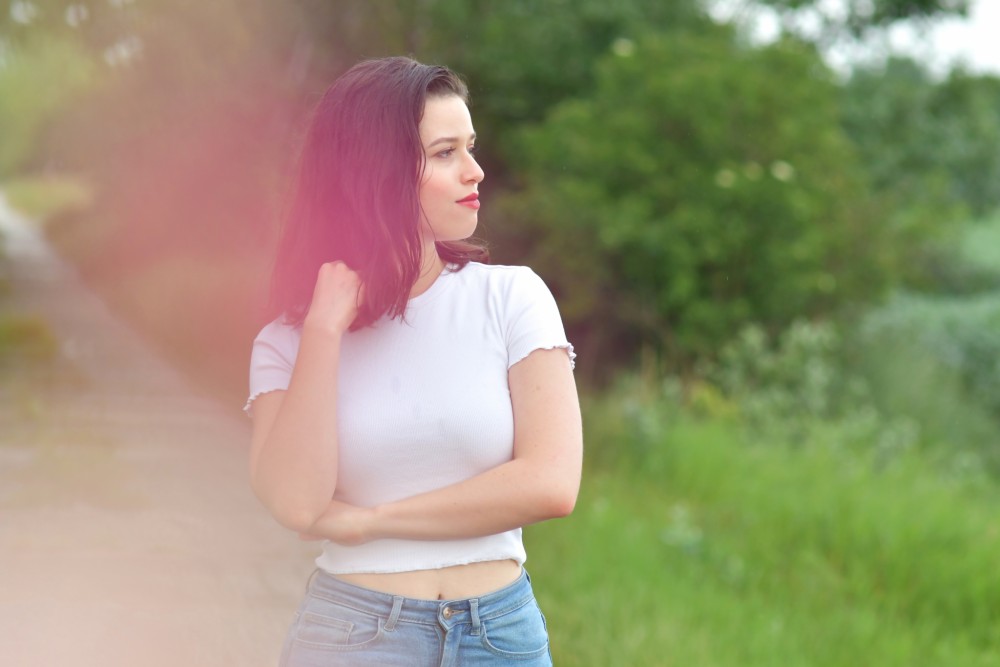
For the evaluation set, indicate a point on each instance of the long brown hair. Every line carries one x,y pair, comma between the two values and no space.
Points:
356,197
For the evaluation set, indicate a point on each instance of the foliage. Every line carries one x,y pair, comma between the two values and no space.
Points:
881,387
963,333
857,18
677,183
522,57
934,358
700,185
970,263
789,386
188,145
719,549
94,23
37,81
796,388
978,253
931,149
966,108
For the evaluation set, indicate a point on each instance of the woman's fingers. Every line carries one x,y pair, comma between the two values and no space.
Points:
335,297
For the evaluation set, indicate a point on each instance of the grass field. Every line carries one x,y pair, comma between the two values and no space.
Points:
716,551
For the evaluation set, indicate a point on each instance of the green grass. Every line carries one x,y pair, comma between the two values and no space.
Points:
723,552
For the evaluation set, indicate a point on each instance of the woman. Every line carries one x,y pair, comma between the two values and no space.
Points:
412,407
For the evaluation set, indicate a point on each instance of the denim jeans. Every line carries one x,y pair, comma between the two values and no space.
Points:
339,624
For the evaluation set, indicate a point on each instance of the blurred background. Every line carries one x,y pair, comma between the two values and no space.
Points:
773,229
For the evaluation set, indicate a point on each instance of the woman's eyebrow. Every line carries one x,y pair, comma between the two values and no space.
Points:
449,140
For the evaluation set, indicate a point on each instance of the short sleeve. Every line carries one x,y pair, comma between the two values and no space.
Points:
272,360
532,318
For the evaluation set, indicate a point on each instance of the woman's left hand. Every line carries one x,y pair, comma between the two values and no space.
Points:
344,524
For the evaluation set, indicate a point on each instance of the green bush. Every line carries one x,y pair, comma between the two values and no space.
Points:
936,360
725,548
37,79
962,333
700,185
798,388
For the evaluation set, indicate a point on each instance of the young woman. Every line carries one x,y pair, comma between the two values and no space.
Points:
412,407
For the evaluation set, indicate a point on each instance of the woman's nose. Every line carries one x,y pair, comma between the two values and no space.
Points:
474,173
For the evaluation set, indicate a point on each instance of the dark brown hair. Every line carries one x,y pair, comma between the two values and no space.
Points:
356,197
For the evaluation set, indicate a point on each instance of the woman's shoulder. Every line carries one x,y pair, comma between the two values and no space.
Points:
279,331
496,275
504,286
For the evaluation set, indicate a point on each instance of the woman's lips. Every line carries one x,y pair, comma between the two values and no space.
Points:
472,201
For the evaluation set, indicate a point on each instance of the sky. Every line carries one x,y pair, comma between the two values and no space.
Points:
974,40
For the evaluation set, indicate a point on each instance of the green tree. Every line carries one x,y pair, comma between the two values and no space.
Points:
937,143
38,79
700,185
856,18
522,58
967,109
931,151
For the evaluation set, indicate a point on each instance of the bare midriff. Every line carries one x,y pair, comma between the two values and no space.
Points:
446,583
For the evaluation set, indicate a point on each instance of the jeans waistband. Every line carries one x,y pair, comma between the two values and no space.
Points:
399,608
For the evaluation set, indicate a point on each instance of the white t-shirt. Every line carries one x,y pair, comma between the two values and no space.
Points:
424,403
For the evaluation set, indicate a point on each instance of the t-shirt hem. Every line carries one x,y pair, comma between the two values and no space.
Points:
411,567
248,406
555,346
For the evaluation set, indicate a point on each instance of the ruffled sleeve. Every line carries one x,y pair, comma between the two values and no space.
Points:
272,360
532,318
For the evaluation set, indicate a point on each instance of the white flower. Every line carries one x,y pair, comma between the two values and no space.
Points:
782,171
123,51
76,14
623,47
725,178
23,12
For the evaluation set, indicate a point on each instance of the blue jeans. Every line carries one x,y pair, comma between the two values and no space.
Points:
340,624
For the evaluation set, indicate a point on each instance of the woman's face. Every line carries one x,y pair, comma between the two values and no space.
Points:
449,187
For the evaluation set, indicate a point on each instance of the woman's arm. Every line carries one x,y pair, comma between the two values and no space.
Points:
540,482
293,455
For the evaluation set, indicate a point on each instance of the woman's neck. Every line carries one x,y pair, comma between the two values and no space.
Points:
431,267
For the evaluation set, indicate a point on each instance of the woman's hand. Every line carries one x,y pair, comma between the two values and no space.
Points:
344,524
335,299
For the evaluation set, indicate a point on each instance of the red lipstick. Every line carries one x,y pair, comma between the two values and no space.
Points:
472,201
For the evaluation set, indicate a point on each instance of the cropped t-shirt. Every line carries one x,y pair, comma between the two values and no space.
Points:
424,403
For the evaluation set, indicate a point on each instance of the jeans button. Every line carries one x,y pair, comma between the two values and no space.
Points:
448,612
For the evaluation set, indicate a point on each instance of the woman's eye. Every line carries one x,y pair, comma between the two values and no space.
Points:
473,149
446,152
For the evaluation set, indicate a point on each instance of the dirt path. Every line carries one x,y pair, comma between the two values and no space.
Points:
128,534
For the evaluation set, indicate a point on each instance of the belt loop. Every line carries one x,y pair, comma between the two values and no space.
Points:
474,612
397,606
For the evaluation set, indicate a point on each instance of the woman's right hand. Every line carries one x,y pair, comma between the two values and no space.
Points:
335,299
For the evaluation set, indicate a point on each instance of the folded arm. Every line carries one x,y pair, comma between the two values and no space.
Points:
540,482
294,451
